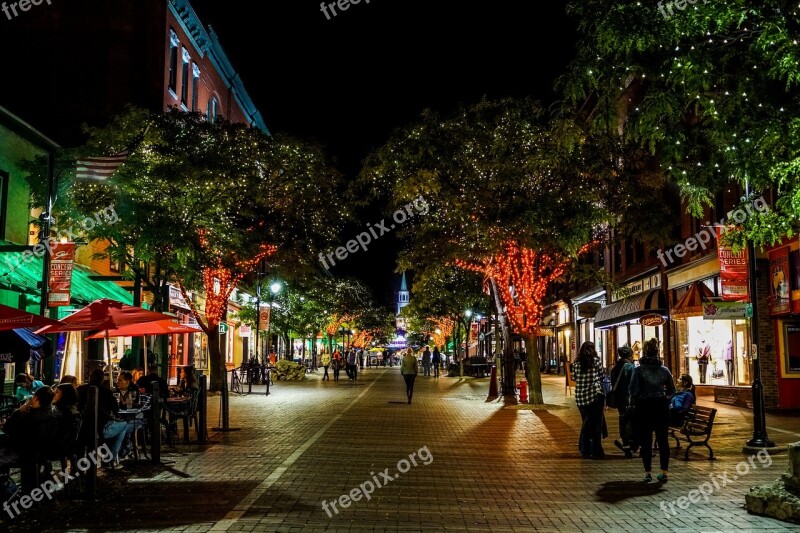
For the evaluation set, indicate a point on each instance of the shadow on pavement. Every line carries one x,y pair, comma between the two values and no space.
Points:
617,491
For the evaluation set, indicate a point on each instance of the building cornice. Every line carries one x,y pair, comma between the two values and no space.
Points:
207,42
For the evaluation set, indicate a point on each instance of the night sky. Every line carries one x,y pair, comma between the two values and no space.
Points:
350,81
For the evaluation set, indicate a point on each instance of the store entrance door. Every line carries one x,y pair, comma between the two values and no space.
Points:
740,355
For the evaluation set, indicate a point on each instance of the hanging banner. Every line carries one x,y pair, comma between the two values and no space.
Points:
733,272
62,257
779,276
244,331
726,310
794,279
263,321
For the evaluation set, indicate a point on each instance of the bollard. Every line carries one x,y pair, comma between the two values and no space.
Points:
155,445
493,382
203,408
91,474
523,391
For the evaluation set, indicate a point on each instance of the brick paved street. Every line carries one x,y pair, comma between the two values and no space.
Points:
495,467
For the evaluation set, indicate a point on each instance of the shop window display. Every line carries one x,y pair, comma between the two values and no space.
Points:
715,352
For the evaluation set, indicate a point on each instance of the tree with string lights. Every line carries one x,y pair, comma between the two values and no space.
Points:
510,196
221,199
709,92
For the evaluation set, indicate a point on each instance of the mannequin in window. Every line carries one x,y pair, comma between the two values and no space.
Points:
727,356
703,353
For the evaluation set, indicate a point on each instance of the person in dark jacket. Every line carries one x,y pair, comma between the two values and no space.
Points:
588,374
682,401
30,430
110,427
620,381
650,389
436,361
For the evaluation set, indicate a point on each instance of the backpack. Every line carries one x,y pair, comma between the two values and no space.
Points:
611,395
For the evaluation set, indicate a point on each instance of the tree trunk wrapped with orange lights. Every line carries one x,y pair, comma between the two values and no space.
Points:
520,278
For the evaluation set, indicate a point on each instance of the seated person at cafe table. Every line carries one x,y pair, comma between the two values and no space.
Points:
187,383
146,383
26,386
28,429
113,430
127,389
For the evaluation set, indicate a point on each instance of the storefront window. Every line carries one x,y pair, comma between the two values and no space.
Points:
792,349
715,351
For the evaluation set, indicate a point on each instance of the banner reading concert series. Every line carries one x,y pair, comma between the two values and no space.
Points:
733,271
62,257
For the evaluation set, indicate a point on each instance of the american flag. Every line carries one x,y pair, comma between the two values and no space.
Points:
100,168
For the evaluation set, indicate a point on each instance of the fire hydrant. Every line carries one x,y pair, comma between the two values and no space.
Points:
523,391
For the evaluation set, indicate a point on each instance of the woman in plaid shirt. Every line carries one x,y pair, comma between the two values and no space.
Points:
588,375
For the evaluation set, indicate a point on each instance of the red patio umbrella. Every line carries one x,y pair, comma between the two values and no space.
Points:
11,318
161,327
105,315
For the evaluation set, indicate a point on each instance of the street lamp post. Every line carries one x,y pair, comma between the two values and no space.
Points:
760,438
274,289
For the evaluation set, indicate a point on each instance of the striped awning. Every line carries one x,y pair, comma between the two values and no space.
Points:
692,302
631,309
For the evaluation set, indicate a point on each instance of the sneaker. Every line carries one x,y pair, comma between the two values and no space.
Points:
648,477
628,454
663,478
619,445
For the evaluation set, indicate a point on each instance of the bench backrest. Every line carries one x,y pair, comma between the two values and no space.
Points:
700,419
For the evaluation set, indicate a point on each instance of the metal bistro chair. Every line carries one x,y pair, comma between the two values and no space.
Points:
188,414
8,404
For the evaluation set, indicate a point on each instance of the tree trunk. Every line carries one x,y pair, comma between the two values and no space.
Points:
532,372
509,365
217,368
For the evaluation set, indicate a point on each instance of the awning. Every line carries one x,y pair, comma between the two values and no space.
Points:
20,345
24,275
630,309
692,302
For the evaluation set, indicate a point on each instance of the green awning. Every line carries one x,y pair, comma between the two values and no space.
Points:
24,276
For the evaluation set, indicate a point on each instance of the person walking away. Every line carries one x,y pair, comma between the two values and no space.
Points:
337,365
436,361
426,361
353,365
326,362
588,374
651,386
621,380
682,401
361,358
408,369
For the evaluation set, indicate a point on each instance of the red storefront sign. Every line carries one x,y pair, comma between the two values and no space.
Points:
779,279
733,272
62,257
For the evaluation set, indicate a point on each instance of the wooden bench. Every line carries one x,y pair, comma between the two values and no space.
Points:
696,429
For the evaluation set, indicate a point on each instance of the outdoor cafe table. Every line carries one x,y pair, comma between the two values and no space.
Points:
136,414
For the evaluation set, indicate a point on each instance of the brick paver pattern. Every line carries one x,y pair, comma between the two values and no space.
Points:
496,466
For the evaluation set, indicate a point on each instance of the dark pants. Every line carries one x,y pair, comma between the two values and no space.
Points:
409,378
729,368
703,370
627,430
326,376
652,414
436,365
590,443
336,369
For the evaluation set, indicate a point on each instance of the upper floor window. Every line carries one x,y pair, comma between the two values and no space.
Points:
212,109
174,43
185,77
195,80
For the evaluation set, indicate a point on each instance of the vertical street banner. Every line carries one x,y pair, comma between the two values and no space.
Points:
733,271
62,258
263,321
779,277
794,278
